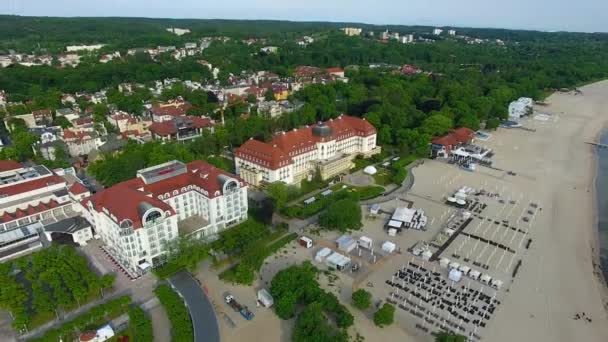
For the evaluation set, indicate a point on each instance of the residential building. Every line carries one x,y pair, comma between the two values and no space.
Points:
36,205
452,33
138,218
178,31
75,48
168,110
351,31
406,39
2,98
328,148
437,31
270,49
181,129
337,72
80,143
443,146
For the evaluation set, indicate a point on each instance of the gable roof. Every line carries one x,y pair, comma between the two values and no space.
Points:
454,137
7,165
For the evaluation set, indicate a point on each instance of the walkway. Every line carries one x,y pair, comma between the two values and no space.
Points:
202,314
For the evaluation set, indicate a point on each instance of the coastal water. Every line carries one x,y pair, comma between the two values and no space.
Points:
601,186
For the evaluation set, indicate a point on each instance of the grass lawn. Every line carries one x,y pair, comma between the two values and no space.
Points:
383,177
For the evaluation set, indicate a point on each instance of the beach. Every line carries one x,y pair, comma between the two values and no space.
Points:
550,164
559,276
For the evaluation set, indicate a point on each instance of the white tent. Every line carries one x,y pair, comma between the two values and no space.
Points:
444,262
370,170
388,247
322,254
454,264
265,298
105,333
497,284
365,242
395,224
346,243
403,214
486,278
392,232
448,232
464,269
337,261
474,274
455,275
426,255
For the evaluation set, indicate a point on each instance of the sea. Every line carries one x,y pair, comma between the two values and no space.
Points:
601,187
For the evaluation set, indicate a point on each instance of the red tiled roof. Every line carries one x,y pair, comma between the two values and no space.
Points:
454,137
78,189
88,336
122,200
284,146
83,121
32,185
307,71
70,135
334,70
41,113
7,165
29,211
166,128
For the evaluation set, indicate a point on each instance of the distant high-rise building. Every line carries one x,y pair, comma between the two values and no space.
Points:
437,31
452,32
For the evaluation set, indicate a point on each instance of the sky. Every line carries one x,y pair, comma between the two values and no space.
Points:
546,15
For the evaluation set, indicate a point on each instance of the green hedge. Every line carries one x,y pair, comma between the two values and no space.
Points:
181,324
94,318
140,324
354,193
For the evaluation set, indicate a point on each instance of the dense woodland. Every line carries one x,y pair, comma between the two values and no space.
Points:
462,84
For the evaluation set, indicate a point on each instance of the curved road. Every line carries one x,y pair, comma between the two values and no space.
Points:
201,311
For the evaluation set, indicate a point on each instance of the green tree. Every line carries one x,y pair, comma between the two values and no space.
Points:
269,95
385,315
362,299
279,192
341,215
62,121
492,123
436,124
100,112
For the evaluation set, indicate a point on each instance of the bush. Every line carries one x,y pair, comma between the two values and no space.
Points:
445,337
140,324
181,324
362,299
384,316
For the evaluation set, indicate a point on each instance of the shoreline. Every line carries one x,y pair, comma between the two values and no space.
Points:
595,244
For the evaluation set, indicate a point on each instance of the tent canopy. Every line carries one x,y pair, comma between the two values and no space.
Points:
370,170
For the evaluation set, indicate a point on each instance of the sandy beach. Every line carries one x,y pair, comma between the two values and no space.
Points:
555,168
558,278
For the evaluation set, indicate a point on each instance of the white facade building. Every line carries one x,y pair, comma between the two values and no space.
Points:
75,48
520,108
136,219
351,31
437,31
292,156
33,199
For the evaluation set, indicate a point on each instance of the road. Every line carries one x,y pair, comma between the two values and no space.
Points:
203,316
